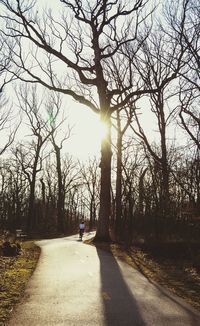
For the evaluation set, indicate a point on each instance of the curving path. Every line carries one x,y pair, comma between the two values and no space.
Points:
76,284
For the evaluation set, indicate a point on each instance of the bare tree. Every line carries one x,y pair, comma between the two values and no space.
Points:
184,24
5,65
187,176
189,115
131,165
54,108
183,20
122,124
29,154
159,62
86,40
8,129
13,195
8,125
91,182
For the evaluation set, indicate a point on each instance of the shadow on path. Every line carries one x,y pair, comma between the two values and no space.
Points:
120,307
164,292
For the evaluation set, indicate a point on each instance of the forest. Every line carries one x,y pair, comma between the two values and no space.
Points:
136,64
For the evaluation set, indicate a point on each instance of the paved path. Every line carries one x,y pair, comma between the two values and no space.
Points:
77,284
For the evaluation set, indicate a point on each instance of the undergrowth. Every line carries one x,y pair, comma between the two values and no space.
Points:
14,275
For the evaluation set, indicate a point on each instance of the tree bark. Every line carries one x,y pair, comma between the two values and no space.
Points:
119,184
102,233
60,198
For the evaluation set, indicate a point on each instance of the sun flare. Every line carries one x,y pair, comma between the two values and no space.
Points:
101,129
87,135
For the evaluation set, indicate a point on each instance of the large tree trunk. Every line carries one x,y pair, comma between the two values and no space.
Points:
164,166
198,181
31,222
141,193
118,215
165,188
102,233
31,215
92,213
60,196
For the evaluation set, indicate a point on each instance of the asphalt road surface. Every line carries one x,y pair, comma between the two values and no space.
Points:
77,284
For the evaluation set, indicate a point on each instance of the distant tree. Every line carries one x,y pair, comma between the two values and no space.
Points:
8,124
187,176
121,125
132,160
51,183
29,154
5,65
8,128
183,20
190,116
90,175
13,195
159,62
54,107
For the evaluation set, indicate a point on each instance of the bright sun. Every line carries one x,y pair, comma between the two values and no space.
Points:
87,135
101,129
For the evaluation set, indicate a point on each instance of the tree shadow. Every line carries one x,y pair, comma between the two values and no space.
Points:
194,313
120,307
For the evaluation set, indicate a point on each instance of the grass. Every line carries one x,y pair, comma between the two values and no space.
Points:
14,275
170,265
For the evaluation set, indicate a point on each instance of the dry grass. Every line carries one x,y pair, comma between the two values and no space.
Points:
14,275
